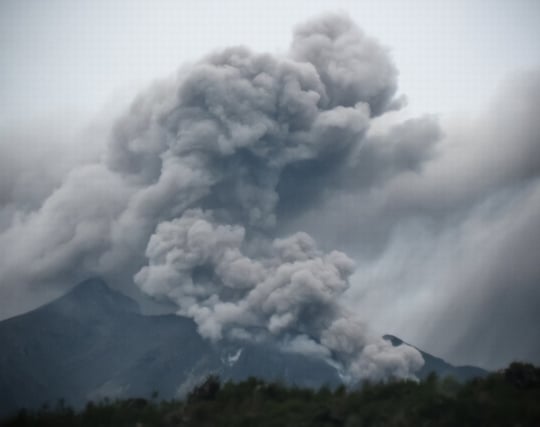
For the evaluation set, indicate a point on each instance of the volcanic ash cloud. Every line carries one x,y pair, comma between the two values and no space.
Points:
236,129
202,171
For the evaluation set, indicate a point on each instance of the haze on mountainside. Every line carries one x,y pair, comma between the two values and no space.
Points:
224,190
94,343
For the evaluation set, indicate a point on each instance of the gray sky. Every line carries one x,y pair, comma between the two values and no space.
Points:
62,55
437,204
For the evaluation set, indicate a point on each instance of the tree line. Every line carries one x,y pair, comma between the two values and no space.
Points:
510,397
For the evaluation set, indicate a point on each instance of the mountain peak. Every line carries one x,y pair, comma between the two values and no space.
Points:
94,294
91,286
438,365
393,339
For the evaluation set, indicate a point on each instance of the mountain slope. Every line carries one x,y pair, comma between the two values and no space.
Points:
93,342
439,366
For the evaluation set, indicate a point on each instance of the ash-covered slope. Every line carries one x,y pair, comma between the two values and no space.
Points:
93,342
440,366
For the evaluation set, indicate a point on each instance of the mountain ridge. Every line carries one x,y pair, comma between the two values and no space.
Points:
93,342
438,365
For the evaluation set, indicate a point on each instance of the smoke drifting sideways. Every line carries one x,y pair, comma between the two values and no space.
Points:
197,175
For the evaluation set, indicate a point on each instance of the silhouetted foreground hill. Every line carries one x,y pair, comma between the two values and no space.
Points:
93,342
508,398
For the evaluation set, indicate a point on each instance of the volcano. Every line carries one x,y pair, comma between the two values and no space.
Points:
94,342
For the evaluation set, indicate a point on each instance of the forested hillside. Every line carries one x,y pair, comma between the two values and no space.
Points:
506,398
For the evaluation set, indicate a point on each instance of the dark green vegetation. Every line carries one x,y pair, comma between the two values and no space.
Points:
507,398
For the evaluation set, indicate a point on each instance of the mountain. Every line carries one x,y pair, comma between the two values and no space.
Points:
93,342
439,366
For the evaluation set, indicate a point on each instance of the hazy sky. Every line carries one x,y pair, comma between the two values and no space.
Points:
438,205
62,55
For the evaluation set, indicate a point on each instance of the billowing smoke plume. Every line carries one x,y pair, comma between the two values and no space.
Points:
198,175
291,294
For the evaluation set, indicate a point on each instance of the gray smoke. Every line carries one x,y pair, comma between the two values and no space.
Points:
291,295
199,174
210,185
236,129
452,251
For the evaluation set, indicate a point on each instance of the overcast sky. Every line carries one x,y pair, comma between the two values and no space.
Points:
440,213
61,55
